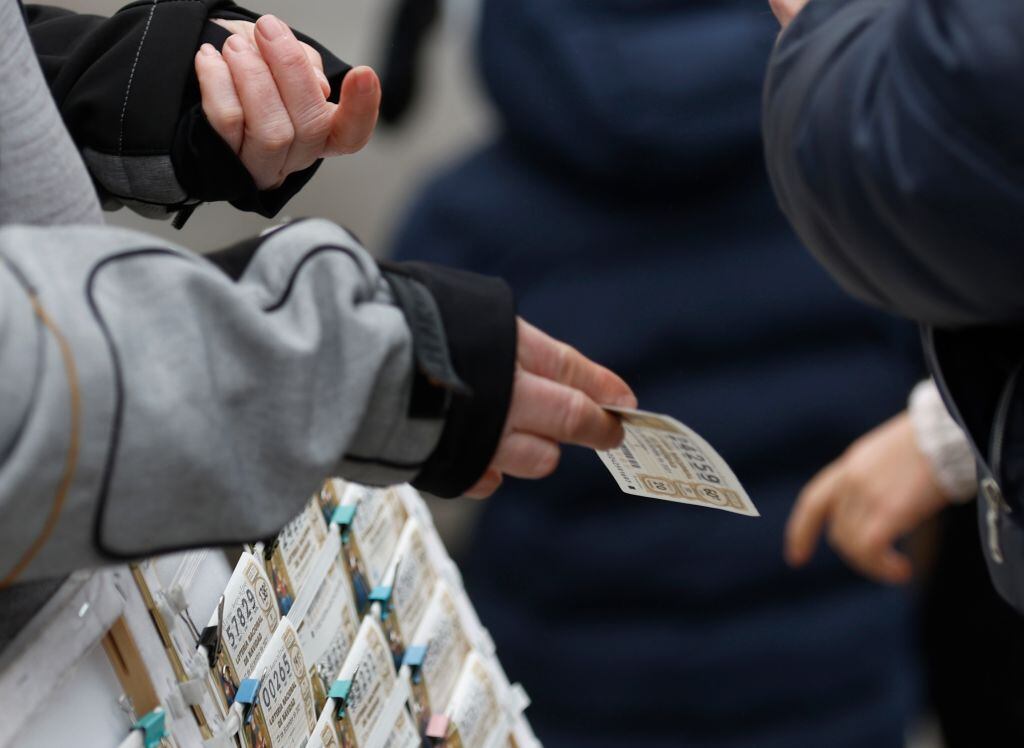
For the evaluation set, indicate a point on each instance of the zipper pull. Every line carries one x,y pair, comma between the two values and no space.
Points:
996,506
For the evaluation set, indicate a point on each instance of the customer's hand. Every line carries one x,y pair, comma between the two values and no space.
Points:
266,96
786,10
878,491
556,398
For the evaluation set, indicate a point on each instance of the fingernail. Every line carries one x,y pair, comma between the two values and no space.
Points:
366,82
237,44
271,27
208,50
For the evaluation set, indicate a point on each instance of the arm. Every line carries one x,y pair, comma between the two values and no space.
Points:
152,400
892,139
128,92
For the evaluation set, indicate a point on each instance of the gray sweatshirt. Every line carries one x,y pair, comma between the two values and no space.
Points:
152,399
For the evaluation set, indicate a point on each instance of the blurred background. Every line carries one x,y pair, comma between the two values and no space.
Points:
640,227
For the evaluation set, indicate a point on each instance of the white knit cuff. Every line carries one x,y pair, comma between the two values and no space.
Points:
943,443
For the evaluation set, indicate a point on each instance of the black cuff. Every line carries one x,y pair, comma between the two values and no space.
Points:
207,169
479,317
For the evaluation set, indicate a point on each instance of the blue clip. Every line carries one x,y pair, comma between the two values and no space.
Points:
339,692
414,657
153,727
343,517
248,691
382,595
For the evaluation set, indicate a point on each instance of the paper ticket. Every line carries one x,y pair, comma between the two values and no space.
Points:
325,617
375,701
250,619
663,459
476,711
290,558
370,542
411,578
284,714
443,634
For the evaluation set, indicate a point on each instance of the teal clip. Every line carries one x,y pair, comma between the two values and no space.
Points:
246,695
382,595
414,657
153,728
343,516
339,692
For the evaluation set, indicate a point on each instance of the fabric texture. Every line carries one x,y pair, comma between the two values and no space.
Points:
625,201
943,443
892,136
154,401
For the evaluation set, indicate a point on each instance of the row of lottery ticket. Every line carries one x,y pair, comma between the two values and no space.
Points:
351,628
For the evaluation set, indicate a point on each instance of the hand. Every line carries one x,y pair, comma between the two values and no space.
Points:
878,491
266,96
556,397
786,10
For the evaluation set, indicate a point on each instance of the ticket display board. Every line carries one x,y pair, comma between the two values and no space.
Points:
350,628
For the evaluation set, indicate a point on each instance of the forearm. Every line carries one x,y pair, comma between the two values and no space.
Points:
166,404
889,133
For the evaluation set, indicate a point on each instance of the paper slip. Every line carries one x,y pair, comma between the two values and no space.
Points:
663,459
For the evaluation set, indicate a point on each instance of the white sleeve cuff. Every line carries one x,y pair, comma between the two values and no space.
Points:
943,443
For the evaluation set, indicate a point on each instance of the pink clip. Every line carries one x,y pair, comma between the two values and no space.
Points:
437,727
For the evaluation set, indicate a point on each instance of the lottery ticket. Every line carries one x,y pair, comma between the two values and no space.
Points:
410,578
663,459
325,616
290,557
371,715
443,633
476,713
370,541
284,714
250,618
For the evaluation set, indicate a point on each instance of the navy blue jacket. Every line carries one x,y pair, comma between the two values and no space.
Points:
625,201
894,134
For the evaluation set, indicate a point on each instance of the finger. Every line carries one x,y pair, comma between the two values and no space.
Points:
883,564
559,413
268,128
810,513
488,484
318,67
220,101
356,116
299,88
526,456
553,359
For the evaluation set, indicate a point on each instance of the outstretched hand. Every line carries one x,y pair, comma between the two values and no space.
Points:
881,489
266,96
556,398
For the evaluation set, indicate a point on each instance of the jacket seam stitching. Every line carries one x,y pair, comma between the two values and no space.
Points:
131,78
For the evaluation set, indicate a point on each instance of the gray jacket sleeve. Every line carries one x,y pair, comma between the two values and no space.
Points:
150,400
893,139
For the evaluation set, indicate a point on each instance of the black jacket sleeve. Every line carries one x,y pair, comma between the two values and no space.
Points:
894,136
127,90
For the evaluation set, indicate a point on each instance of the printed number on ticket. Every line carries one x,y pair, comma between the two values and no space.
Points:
663,459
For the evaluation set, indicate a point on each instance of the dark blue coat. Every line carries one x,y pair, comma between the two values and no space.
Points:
626,202
895,141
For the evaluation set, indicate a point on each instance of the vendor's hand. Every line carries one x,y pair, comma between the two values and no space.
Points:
878,491
266,96
556,398
786,10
